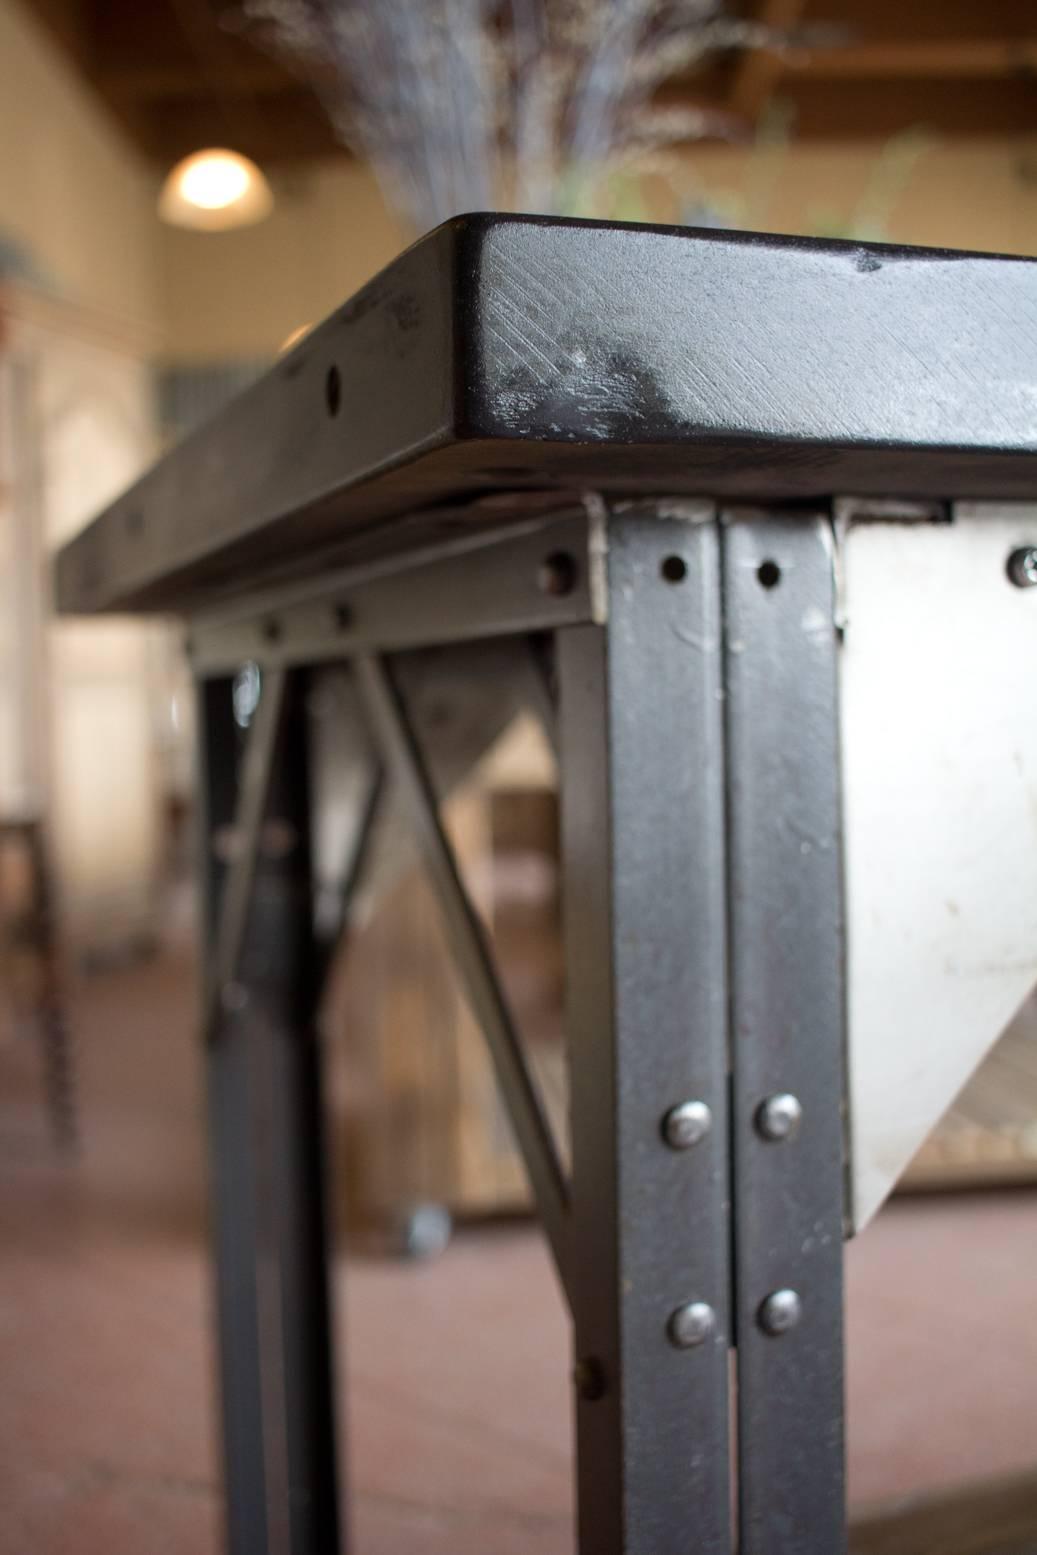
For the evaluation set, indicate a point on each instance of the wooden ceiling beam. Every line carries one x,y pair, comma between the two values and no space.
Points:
169,102
290,128
913,22
951,58
171,78
866,109
758,71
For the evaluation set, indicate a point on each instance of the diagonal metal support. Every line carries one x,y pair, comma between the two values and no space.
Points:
468,945
644,891
256,769
354,865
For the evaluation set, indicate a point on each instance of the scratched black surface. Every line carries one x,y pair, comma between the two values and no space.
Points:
508,353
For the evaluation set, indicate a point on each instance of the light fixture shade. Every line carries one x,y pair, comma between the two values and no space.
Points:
214,190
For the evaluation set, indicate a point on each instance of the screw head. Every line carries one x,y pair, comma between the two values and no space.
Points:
779,1312
691,1325
687,1124
778,1117
1022,567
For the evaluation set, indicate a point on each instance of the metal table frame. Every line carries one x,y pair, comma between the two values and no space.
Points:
696,724
406,494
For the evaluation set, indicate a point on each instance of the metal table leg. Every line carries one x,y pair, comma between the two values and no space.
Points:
265,1126
696,724
643,839
788,1030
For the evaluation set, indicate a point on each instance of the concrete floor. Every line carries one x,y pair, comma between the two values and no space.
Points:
458,1399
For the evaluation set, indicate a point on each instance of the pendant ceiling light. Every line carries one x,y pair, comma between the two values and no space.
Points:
214,190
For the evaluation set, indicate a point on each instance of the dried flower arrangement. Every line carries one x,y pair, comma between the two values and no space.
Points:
522,104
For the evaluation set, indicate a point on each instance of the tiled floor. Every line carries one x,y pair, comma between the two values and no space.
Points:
458,1421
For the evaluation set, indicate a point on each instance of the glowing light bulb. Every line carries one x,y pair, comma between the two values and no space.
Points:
213,190
214,180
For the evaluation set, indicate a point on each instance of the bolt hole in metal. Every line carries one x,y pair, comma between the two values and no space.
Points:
343,616
769,574
589,1379
272,630
333,391
558,574
1022,567
674,569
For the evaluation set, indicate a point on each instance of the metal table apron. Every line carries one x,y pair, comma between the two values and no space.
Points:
591,469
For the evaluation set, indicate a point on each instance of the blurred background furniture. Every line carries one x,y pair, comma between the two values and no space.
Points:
989,1136
92,736
30,972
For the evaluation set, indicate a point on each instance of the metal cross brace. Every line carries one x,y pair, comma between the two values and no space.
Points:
470,952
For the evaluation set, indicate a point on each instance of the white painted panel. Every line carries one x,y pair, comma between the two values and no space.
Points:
939,697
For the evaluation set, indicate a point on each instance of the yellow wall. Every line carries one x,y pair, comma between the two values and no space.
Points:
240,294
955,194
72,192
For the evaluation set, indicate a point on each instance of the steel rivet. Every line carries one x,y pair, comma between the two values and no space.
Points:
1022,567
691,1325
779,1117
779,1312
686,1124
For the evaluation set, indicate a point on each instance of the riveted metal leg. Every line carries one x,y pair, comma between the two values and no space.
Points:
788,1032
265,1128
644,882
